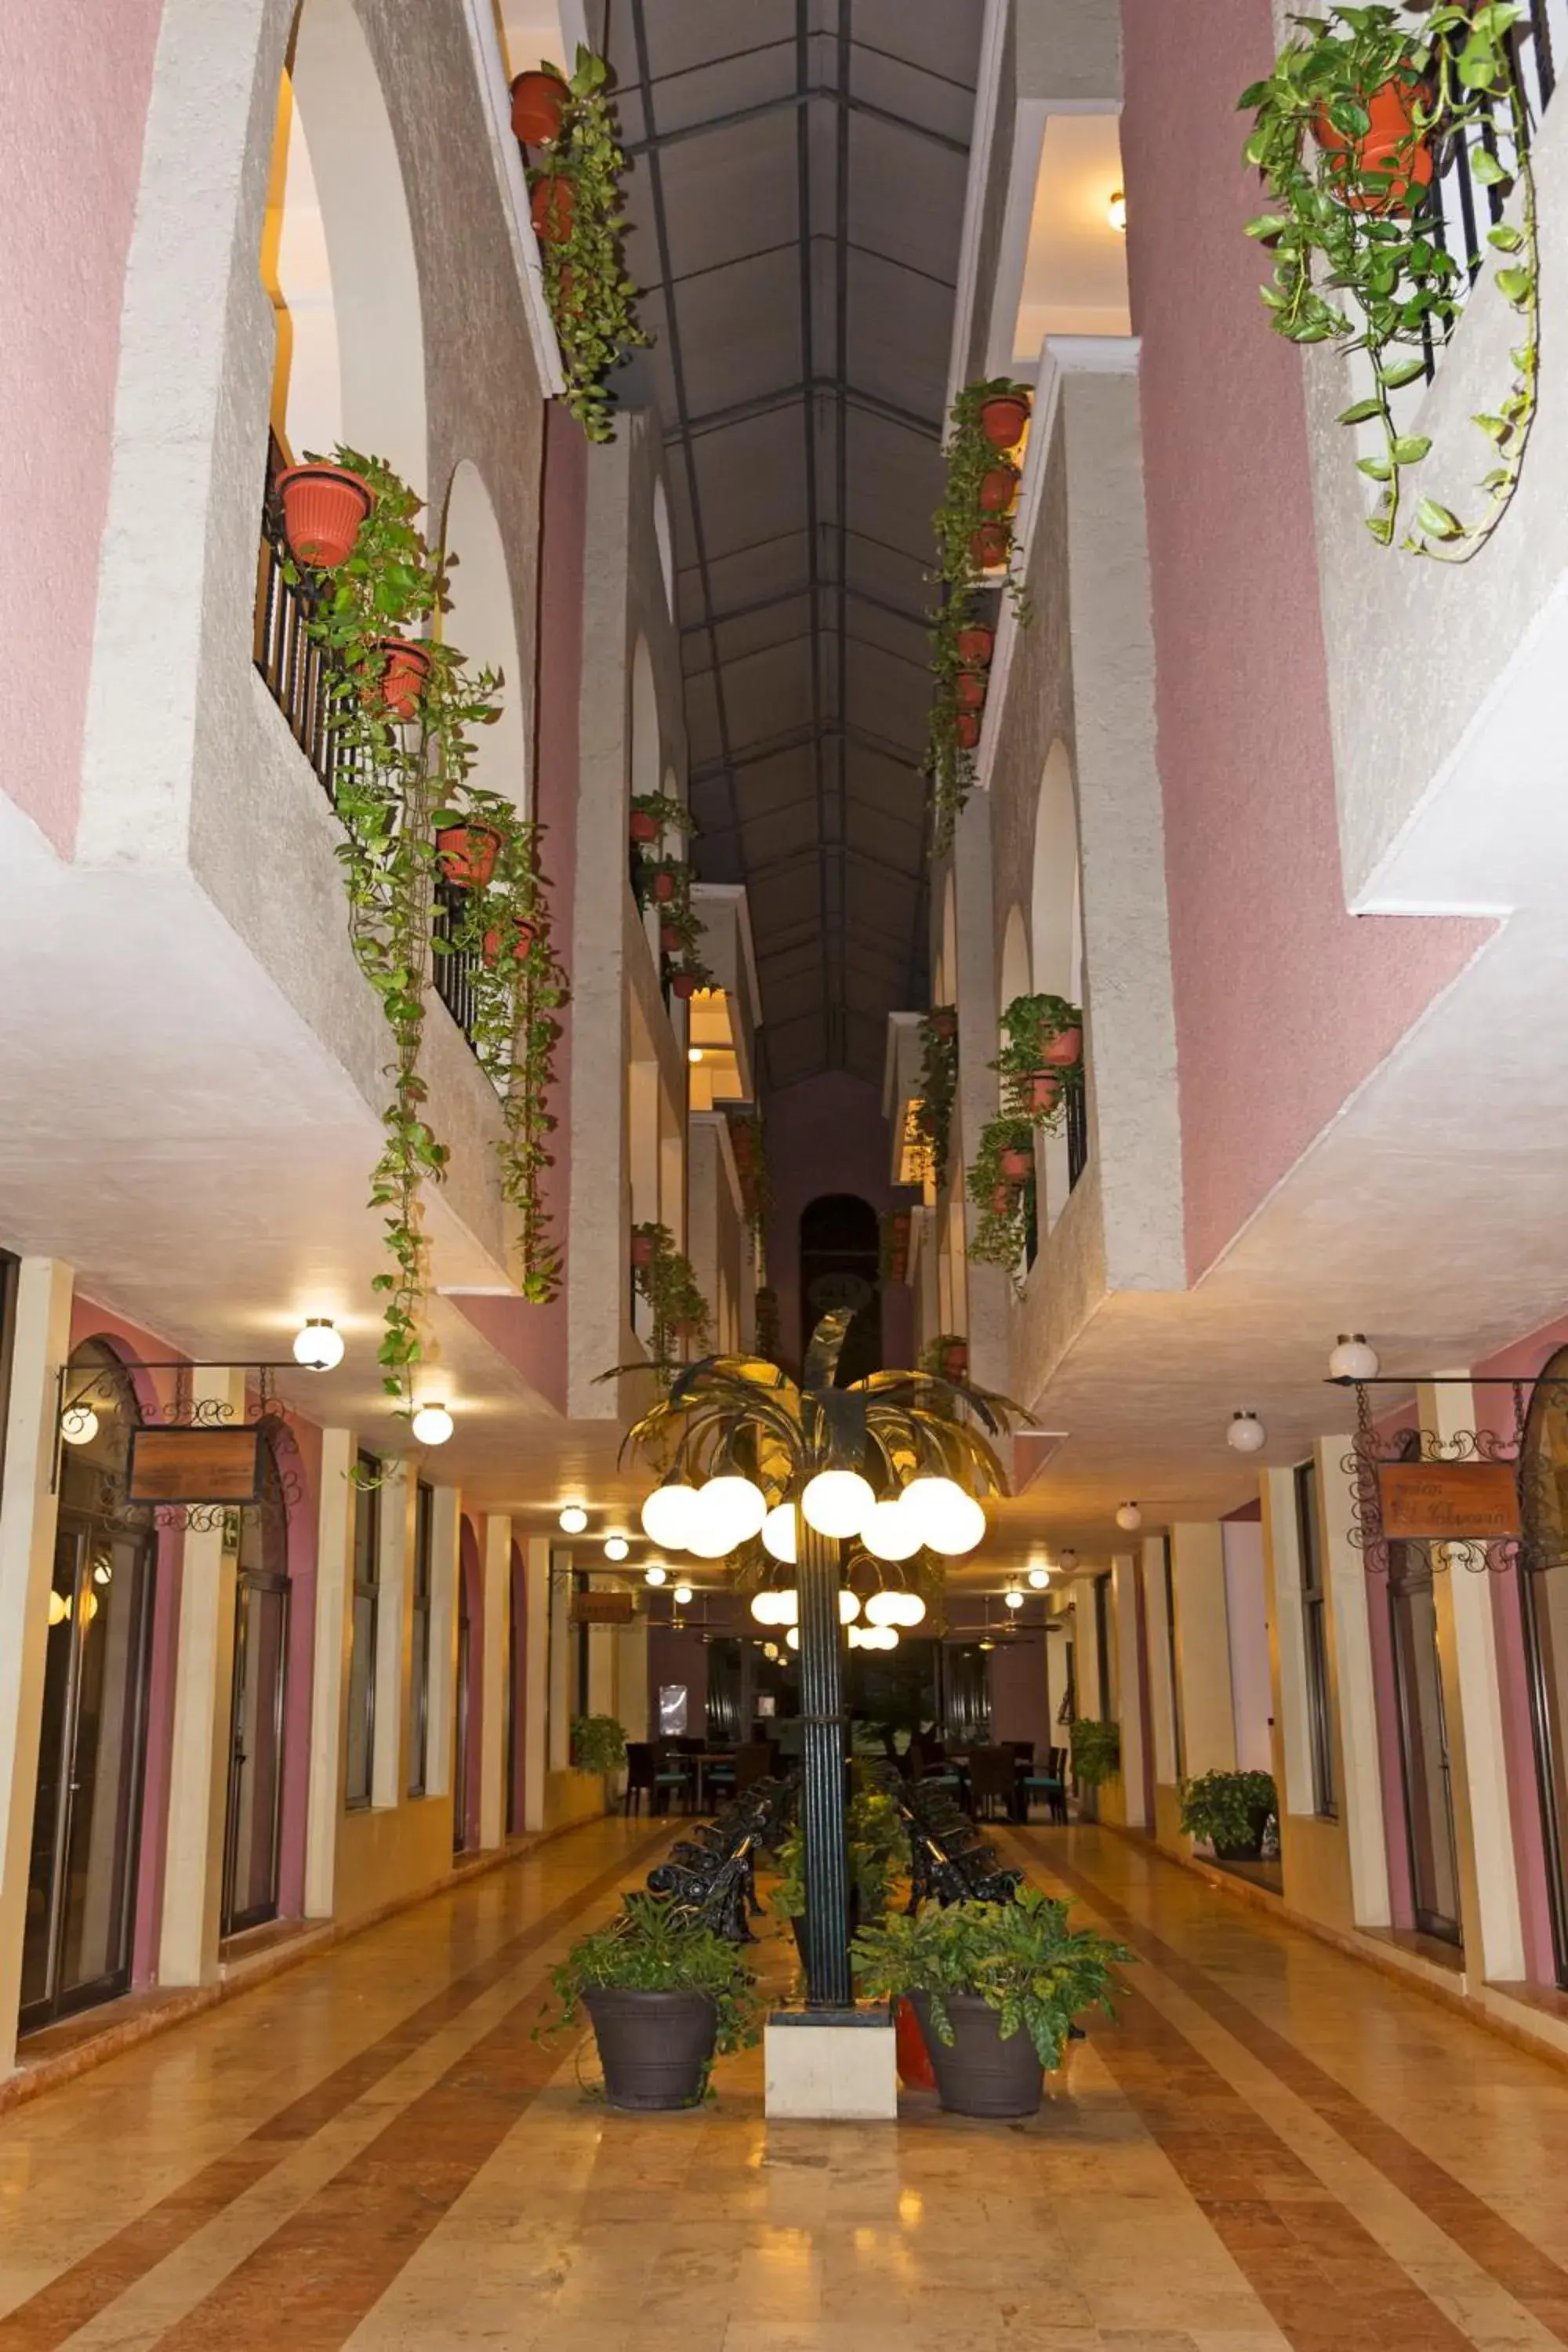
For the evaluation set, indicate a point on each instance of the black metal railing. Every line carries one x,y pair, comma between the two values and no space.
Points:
453,966
296,671
1077,1125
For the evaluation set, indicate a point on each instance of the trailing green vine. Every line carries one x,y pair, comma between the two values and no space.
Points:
939,1089
576,204
748,1145
664,881
1348,132
402,713
1042,1061
999,1183
975,536
662,1276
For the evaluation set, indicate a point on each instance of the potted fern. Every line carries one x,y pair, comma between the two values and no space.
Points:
665,1996
996,1988
1231,1809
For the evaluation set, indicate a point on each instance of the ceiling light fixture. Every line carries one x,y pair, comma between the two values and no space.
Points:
318,1344
838,1503
432,1424
694,1053
655,1573
1128,1517
1040,1576
951,1520
615,1547
1352,1359
682,1596
1013,1596
1246,1433
79,1424
573,1519
779,1535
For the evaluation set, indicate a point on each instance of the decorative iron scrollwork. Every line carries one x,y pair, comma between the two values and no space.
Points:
1496,1555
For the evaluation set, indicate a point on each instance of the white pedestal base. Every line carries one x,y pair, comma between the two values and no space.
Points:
833,2071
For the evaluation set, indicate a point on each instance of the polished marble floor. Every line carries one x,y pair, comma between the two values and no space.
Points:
1273,2147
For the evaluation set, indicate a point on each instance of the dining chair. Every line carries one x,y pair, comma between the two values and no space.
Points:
639,1777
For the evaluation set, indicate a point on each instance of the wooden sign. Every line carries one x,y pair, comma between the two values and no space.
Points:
602,1609
196,1466
1448,1502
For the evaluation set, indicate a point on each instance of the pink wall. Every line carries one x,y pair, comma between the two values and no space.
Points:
1020,1704
77,83
828,1135
466,1800
1284,1001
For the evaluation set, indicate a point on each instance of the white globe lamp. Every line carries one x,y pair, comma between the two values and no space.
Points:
682,1596
848,1605
1040,1576
1246,1433
655,1573
890,1533
433,1425
883,1608
735,1504
616,1547
573,1519
79,1424
318,1344
668,1513
950,1520
838,1503
1128,1517
1352,1359
779,1535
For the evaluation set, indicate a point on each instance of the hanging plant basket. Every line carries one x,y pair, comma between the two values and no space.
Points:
1018,1165
402,679
670,940
1045,1090
990,546
969,690
1064,1050
999,490
664,886
1386,169
975,646
550,208
686,984
468,855
643,828
323,506
966,728
538,107
521,944
1002,420
642,1249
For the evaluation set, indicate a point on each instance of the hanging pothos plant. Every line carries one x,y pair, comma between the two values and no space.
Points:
402,713
575,201
1350,130
999,1183
663,1277
749,1146
1042,1061
939,1087
974,539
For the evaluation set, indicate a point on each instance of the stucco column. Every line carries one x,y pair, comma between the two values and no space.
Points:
631,1677
563,1692
29,1511
1091,1700
329,1673
496,1669
1203,1647
394,1631
199,1748
1472,1701
1161,1692
1288,1650
1361,1795
536,1711
1129,1687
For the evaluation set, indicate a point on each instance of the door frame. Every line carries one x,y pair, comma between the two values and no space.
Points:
231,1922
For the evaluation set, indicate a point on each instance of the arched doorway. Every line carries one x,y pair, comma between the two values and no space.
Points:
840,1265
81,1878
252,1840
1544,1589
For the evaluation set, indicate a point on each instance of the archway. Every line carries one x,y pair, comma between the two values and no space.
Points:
1015,973
840,1265
1055,932
481,621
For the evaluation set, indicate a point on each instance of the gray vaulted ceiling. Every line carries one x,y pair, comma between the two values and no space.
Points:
796,208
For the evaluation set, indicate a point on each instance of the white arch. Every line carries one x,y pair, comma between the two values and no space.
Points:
482,623
1015,960
365,238
646,757
664,540
1055,931
306,381
947,955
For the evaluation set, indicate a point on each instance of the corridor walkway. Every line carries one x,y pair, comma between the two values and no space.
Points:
1273,2147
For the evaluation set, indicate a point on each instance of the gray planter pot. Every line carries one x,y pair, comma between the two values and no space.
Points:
978,2073
653,2046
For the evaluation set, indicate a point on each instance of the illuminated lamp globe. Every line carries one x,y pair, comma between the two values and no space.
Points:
765,1608
1352,1359
432,1424
682,1596
950,1520
793,1637
79,1424
1246,1433
911,1609
615,1547
59,1608
668,1514
1068,1561
573,1519
1015,1599
1040,1576
838,1503
318,1344
708,1533
890,1533
778,1534
848,1605
858,1636
882,1609
737,1506
655,1573
771,1651
1129,1518
788,1603
879,1637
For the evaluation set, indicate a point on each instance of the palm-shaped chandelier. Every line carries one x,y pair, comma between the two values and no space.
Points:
898,1460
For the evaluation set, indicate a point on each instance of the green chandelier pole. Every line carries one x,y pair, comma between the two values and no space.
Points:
828,1982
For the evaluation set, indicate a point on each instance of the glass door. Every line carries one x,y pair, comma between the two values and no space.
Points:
460,1719
255,1756
1424,1743
81,1880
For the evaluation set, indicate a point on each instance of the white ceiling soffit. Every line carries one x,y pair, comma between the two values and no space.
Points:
1061,268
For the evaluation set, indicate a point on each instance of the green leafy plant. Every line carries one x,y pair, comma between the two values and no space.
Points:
1033,1023
973,538
402,777
1231,1809
939,1087
748,1143
593,302
894,1232
1096,1751
652,1946
878,1848
1353,226
665,1279
670,816
1001,1194
936,1352
598,1744
1021,1958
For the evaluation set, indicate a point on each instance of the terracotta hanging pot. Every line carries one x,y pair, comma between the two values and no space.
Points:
685,983
642,1249
643,826
538,107
966,728
1003,419
521,944
664,887
323,506
1065,1049
467,854
969,690
402,675
944,1024
990,546
1045,1088
1392,154
998,488
975,647
1002,1199
1017,1163
669,940
955,1361
551,207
